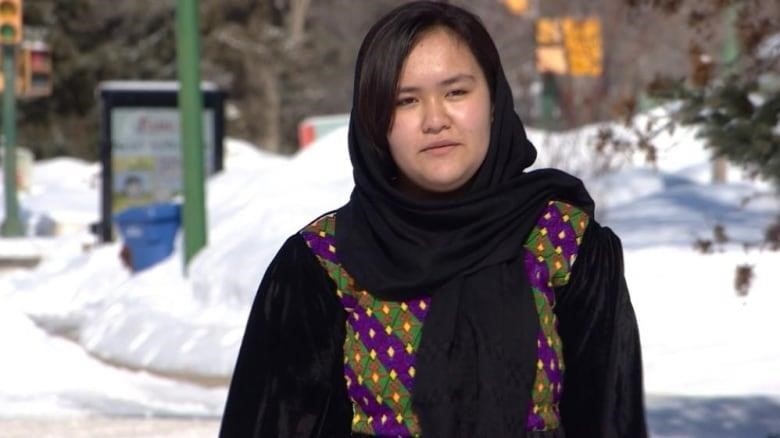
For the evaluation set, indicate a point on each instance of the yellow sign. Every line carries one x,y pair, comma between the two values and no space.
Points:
517,7
583,46
548,31
550,53
551,59
569,46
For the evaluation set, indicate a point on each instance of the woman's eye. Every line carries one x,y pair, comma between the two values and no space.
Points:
404,101
456,93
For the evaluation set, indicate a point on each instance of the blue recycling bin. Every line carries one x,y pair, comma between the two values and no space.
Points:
149,232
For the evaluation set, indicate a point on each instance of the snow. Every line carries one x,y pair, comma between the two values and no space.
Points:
81,335
770,47
150,86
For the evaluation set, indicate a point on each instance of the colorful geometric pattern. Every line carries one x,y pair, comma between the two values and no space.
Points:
381,341
383,336
551,250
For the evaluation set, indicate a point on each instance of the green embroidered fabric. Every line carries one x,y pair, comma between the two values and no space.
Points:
382,336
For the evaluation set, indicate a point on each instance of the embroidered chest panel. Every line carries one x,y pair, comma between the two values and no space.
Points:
551,249
382,336
379,349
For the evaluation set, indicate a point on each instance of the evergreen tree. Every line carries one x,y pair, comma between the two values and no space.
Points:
736,101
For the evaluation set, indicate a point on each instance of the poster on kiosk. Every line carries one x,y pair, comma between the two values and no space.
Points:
141,150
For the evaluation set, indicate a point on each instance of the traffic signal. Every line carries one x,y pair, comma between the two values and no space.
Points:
10,21
36,70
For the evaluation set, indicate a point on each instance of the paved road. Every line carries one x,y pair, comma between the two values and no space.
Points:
99,427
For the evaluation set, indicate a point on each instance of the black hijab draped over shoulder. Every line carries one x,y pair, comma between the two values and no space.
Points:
476,361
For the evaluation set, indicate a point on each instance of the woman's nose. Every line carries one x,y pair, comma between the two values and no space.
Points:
435,117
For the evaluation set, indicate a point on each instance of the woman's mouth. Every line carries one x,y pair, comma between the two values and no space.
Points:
440,147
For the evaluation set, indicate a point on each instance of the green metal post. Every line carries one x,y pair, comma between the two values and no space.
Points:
11,226
191,110
549,100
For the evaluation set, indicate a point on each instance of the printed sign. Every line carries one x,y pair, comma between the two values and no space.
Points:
146,155
140,144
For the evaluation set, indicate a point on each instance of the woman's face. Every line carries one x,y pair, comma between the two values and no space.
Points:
440,131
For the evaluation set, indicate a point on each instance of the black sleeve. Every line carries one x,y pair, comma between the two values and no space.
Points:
603,392
289,376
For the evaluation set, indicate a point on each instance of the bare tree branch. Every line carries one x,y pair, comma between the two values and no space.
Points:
296,22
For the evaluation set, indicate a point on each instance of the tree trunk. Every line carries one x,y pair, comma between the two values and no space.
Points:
269,81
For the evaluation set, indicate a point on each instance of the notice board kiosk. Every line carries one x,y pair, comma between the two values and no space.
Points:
140,143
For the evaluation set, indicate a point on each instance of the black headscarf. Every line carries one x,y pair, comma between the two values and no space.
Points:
477,357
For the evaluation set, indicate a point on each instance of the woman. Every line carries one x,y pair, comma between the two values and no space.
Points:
443,300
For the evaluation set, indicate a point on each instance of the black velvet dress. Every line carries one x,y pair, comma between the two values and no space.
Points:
289,377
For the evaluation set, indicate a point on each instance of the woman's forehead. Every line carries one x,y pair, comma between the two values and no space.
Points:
440,57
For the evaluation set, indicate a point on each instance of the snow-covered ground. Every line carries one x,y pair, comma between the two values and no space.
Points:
80,335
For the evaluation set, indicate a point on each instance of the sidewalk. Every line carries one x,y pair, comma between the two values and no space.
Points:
94,427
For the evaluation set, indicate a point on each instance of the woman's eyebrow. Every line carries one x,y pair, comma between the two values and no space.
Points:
458,78
449,81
